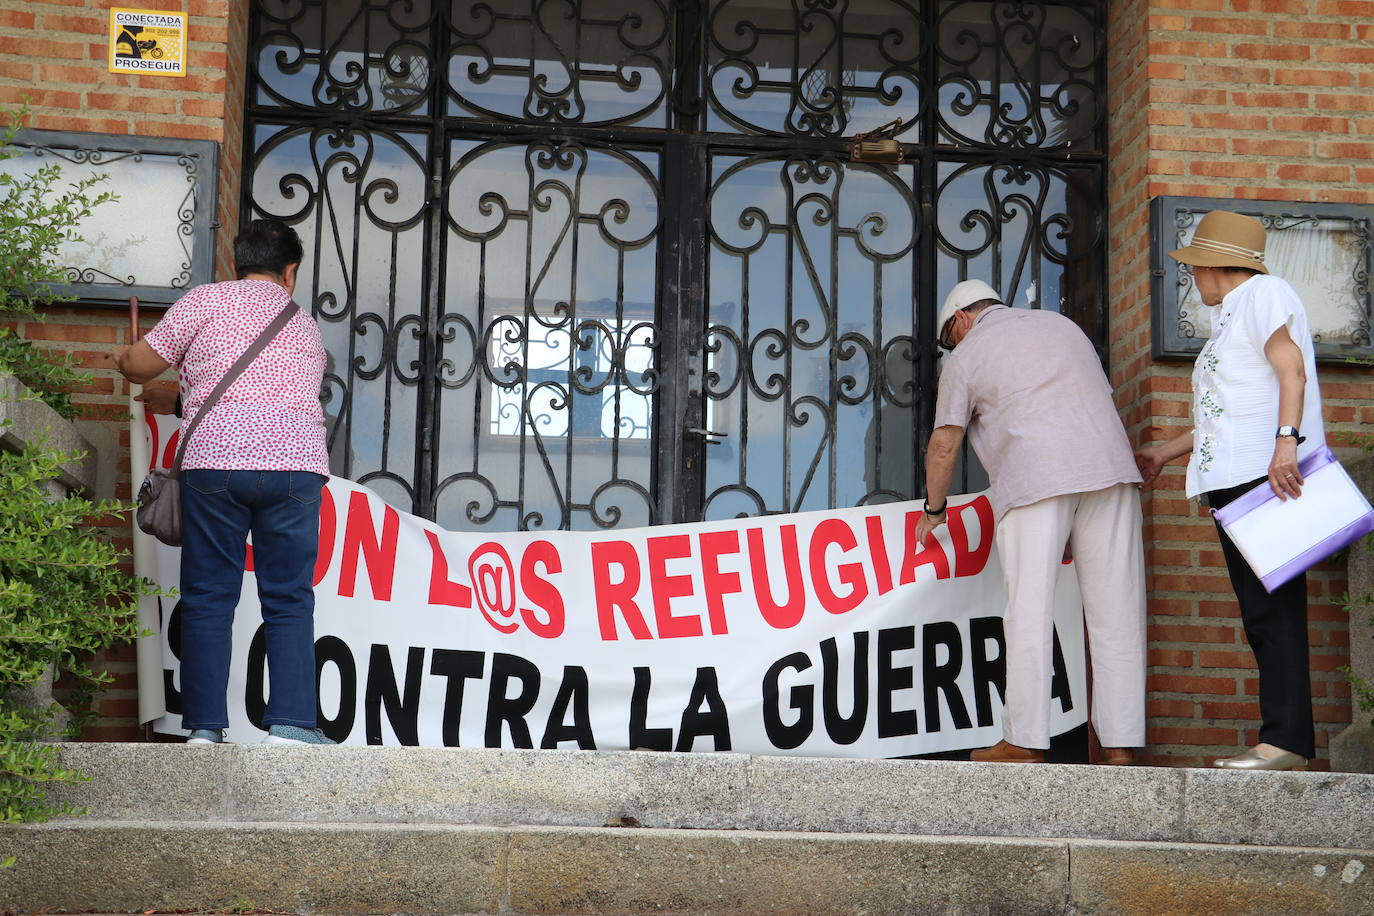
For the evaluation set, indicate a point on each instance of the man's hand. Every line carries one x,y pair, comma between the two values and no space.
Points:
928,523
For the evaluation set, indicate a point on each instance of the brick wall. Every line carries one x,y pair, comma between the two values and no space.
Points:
1253,99
54,52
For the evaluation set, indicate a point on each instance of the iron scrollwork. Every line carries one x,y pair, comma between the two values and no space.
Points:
599,62
549,353
802,364
358,199
1326,251
815,68
1032,231
347,57
1021,75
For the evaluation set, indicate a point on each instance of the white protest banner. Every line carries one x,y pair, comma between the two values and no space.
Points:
821,633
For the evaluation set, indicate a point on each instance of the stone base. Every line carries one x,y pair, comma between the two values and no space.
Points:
1352,751
40,696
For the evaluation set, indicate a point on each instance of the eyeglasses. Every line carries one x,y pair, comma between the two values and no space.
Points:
946,338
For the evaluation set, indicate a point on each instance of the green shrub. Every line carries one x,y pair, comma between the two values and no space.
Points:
63,596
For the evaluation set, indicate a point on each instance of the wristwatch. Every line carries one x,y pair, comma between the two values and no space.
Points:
1290,431
941,510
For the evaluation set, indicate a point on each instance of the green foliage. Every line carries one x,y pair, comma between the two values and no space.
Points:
28,766
36,219
63,597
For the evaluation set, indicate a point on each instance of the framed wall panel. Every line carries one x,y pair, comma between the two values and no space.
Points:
1324,250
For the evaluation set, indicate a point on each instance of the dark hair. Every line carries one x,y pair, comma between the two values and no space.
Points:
1247,271
266,246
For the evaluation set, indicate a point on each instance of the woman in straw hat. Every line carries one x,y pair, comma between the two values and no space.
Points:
1256,412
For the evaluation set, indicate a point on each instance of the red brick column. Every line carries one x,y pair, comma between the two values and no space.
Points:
1249,99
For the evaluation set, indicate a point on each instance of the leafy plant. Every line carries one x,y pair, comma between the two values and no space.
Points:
63,595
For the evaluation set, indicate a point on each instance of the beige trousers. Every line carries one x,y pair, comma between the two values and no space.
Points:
1110,561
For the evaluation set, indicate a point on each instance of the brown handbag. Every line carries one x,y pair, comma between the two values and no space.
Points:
159,499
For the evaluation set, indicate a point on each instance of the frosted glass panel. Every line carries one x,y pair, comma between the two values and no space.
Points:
155,239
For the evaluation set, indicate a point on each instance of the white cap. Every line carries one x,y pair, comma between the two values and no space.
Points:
961,297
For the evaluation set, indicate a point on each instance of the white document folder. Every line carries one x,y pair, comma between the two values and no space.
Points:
1281,538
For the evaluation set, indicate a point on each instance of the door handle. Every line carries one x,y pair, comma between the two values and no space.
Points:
706,434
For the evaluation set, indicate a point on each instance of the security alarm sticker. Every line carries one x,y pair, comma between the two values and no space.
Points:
147,41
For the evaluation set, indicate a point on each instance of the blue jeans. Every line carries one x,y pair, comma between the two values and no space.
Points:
218,510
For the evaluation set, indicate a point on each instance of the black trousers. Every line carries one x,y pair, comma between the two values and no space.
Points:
1276,626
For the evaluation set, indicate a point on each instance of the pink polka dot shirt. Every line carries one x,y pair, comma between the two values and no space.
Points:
270,418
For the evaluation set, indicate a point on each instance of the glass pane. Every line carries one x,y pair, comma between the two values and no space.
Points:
595,62
811,328
549,348
552,353
351,55
1017,75
824,70
357,198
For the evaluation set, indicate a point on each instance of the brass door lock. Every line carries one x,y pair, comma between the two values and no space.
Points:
878,146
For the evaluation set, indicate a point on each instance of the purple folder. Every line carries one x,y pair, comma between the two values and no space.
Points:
1281,538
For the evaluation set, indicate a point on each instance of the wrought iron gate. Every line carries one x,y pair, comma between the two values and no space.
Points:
601,263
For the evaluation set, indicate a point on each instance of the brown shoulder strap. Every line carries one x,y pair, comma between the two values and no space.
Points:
257,346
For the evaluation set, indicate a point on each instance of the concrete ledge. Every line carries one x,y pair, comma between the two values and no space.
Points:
282,783
110,866
1280,809
959,798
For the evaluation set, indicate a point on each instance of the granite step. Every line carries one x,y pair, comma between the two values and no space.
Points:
424,830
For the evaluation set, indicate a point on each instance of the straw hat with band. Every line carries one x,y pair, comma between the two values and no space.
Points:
961,297
1225,239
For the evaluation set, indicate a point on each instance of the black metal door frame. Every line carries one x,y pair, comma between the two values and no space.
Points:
685,151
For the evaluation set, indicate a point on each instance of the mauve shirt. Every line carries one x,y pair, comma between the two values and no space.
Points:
1029,389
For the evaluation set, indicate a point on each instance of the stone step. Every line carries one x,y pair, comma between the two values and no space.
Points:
266,783
423,830
136,866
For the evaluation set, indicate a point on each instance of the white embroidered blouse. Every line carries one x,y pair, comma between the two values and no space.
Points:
1235,390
